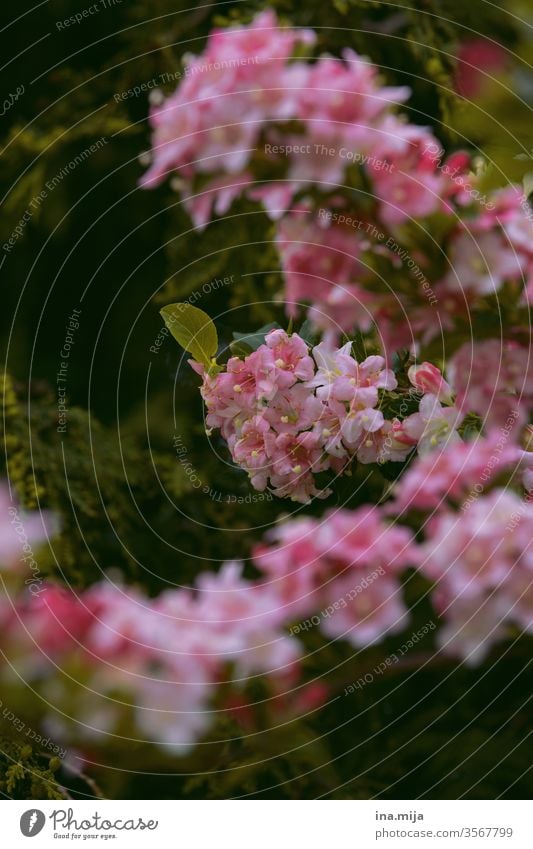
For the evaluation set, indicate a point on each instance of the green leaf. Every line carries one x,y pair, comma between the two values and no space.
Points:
527,183
308,333
193,329
240,349
254,340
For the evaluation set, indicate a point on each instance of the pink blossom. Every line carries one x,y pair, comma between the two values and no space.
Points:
476,550
263,42
481,263
311,562
53,622
494,379
328,428
364,617
482,563
361,417
316,260
414,186
472,626
342,98
289,559
200,127
175,714
433,425
458,471
286,421
217,196
340,376
364,538
253,448
295,409
294,455
389,444
428,379
275,197
291,358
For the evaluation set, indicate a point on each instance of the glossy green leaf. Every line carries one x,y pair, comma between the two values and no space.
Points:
254,340
193,329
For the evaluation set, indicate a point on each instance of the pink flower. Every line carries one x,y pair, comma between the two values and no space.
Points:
54,621
291,358
472,626
175,713
494,379
341,99
342,308
328,428
364,615
429,380
372,372
413,186
481,263
389,444
477,550
364,538
361,417
310,562
223,402
262,42
458,471
275,197
482,563
290,562
296,454
286,421
332,364
339,375
317,261
200,127
217,196
253,448
294,409
433,425
245,376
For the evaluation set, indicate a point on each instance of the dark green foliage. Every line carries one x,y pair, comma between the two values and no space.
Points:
27,773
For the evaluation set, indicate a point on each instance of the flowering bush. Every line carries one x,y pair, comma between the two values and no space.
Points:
383,409
356,194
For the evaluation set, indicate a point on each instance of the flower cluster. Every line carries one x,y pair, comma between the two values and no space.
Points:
287,416
458,473
478,562
316,564
494,379
360,256
341,108
163,660
482,565
170,665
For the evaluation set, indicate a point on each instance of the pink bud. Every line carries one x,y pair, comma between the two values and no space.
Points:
428,379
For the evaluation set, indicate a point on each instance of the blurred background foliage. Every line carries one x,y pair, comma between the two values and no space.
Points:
99,244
